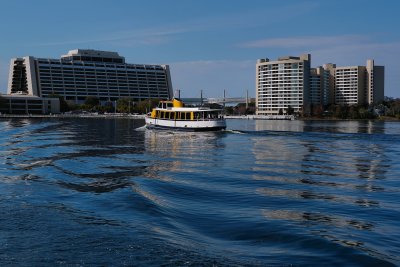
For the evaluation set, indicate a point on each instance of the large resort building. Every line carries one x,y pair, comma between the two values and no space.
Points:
83,73
291,84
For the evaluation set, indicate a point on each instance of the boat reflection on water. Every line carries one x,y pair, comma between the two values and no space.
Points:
173,149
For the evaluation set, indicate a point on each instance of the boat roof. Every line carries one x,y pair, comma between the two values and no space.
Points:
188,109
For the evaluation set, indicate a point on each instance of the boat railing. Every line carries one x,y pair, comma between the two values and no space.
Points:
209,119
195,119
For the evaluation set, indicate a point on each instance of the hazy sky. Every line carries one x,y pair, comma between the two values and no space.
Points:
210,45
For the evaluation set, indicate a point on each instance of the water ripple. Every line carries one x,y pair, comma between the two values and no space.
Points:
101,192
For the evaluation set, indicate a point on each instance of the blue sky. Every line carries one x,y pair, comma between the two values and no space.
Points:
210,45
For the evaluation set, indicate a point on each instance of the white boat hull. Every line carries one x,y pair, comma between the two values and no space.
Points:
195,125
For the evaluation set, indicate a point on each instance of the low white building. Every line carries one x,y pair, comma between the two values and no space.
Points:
25,104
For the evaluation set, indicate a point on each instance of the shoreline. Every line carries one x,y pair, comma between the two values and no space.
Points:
77,116
287,118
141,117
337,119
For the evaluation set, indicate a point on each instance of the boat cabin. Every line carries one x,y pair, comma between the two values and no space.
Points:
175,110
187,115
175,103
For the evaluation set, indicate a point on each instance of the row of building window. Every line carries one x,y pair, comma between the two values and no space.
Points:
51,63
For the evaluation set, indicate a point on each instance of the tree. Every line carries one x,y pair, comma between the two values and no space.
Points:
125,105
63,104
146,105
214,106
280,112
108,107
318,111
229,110
353,112
241,109
290,110
393,108
250,111
92,101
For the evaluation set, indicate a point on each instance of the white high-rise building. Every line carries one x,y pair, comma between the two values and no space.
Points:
82,73
359,84
282,85
375,82
350,85
290,82
317,85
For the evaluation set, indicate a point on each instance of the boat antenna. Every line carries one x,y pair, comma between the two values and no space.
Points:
247,99
177,93
224,98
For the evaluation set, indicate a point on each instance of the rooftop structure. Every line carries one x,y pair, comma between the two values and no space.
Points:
93,55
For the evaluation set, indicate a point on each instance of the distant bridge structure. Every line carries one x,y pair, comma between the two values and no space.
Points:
227,100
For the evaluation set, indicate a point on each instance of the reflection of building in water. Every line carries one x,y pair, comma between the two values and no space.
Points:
368,127
348,158
279,125
277,156
371,127
372,164
183,150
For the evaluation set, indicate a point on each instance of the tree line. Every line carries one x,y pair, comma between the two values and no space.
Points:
389,108
122,105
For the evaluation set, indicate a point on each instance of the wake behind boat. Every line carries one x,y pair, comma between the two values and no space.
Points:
172,114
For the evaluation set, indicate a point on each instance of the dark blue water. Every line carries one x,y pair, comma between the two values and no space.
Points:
103,192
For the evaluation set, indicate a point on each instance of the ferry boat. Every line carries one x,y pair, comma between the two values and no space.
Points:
172,114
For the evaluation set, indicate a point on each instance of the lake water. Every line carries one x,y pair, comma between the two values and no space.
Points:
105,192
